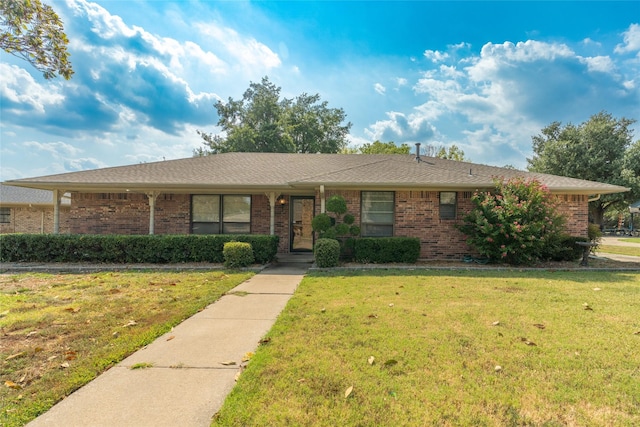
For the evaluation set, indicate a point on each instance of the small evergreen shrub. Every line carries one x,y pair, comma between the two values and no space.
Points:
379,250
237,254
564,248
327,253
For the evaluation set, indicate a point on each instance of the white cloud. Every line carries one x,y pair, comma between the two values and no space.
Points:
401,81
602,64
400,128
435,55
55,149
379,88
631,39
18,87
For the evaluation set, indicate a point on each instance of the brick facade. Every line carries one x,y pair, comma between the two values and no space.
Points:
416,215
35,220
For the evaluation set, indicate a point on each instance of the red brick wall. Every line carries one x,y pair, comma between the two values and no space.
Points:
128,213
416,215
35,220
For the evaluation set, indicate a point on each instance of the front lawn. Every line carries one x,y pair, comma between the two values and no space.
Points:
58,332
619,250
392,348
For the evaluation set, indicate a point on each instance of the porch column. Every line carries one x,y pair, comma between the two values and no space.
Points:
153,195
322,208
272,211
57,196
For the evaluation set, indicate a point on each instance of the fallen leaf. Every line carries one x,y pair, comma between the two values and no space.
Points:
50,358
496,323
348,392
539,325
64,365
131,323
264,341
391,305
32,333
371,360
228,363
70,355
16,355
586,306
12,385
530,343
323,310
38,349
72,309
171,337
302,380
498,368
596,289
636,333
373,316
247,357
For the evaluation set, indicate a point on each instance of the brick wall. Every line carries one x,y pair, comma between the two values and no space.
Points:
128,213
35,220
416,215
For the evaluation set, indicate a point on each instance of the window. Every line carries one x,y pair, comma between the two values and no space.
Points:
448,204
216,214
5,215
377,209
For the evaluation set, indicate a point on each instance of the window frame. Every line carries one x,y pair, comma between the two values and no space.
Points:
221,225
364,226
5,215
450,211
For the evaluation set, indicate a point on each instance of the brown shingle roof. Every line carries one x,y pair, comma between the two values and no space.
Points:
279,171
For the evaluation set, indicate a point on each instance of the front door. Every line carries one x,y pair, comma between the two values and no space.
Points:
300,231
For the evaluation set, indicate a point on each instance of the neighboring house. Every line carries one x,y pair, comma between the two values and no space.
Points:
26,210
272,193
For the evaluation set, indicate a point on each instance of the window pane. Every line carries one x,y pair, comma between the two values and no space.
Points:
377,213
205,228
236,209
206,208
448,205
5,215
236,228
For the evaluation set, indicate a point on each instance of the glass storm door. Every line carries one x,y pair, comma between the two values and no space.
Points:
300,231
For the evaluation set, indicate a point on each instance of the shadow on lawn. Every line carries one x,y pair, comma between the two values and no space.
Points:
574,275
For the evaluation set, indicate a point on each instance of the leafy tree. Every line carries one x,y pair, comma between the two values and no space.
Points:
33,31
262,122
513,224
378,147
453,153
599,149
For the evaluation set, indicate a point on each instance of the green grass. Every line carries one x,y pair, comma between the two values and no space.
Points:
436,347
58,332
631,240
619,250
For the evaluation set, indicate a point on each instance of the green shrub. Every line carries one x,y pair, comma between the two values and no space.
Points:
387,249
349,219
327,253
321,223
337,204
129,248
237,254
514,223
563,248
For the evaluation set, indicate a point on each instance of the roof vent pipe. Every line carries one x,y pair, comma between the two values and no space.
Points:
417,151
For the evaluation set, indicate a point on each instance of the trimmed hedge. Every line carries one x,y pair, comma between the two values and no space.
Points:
387,249
154,249
327,253
237,254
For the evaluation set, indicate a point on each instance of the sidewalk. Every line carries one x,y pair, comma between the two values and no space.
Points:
190,373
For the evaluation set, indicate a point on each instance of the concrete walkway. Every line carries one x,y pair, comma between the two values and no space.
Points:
190,373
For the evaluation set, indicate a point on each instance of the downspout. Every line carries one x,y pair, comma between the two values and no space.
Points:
322,209
594,198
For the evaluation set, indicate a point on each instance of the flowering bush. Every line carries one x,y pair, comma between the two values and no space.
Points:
514,223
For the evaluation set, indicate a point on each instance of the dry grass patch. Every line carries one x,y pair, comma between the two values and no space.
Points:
449,348
57,332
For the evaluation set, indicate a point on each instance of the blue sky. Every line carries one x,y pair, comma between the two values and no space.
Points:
485,76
